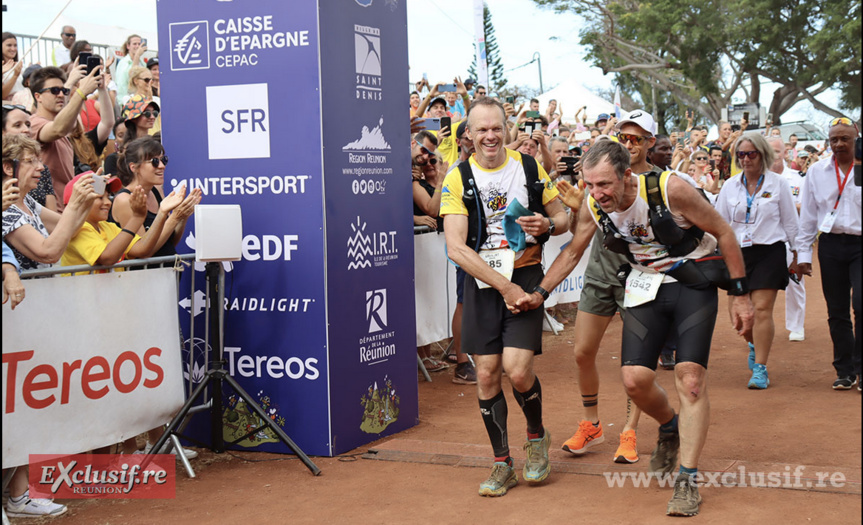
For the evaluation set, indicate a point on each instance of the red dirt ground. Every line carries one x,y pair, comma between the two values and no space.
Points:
424,475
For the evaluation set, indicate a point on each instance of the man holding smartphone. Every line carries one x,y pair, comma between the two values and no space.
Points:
830,204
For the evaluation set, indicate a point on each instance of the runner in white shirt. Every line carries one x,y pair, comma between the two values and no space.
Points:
759,206
831,205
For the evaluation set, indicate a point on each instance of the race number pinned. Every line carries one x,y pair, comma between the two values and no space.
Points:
827,223
746,241
641,287
502,261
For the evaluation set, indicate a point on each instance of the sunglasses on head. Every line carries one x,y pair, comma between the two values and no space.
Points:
743,154
150,113
10,107
155,161
628,137
841,120
56,90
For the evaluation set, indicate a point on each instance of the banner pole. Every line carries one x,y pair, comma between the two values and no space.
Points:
45,31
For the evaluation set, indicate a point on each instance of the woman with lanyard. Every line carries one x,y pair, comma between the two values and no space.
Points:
760,208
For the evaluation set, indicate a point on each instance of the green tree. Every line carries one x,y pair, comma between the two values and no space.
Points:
703,52
496,77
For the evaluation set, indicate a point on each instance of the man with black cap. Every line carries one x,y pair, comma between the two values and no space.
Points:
468,84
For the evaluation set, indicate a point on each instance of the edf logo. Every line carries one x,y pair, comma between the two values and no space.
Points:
238,121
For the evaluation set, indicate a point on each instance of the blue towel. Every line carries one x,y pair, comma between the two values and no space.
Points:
515,236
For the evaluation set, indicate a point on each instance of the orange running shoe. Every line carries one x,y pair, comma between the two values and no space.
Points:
627,451
587,436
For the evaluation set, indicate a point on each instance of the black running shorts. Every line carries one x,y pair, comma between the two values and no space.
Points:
689,313
488,326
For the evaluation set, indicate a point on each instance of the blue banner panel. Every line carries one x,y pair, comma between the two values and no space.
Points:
369,221
241,120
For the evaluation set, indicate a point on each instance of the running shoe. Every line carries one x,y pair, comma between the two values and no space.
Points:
502,478
627,452
34,508
189,453
537,467
465,374
686,500
751,356
664,457
759,378
797,336
585,437
844,383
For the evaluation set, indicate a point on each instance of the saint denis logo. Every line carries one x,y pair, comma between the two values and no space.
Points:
238,121
190,45
367,49
376,309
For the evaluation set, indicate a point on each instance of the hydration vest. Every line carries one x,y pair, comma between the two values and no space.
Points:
477,232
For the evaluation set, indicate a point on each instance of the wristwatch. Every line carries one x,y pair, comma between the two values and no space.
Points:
541,291
550,226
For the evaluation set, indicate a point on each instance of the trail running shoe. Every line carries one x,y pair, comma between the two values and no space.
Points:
537,467
759,379
502,478
664,457
666,360
465,374
585,437
686,499
751,356
627,451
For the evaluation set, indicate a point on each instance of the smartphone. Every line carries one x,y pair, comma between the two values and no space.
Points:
712,164
99,184
446,122
83,56
770,119
510,100
570,165
735,127
445,88
746,116
555,132
532,114
431,124
93,62
529,127
15,171
143,42
858,175
425,76
687,135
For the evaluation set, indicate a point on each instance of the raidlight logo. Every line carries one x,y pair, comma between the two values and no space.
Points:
238,122
376,248
190,48
376,310
367,49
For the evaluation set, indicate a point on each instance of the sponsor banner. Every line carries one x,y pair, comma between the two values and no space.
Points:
103,476
241,121
569,289
108,369
370,256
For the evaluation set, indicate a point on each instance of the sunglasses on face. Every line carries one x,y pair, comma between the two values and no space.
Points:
150,113
432,158
70,35
700,158
627,137
147,80
56,90
155,161
743,154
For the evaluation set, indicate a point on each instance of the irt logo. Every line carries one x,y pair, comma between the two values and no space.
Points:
238,122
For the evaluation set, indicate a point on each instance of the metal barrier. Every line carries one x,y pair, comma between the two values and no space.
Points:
41,54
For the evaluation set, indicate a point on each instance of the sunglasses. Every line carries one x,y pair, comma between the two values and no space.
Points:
147,80
432,158
56,90
841,120
10,107
73,35
627,137
743,154
147,114
155,161
700,158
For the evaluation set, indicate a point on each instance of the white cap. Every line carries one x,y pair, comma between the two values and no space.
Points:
640,118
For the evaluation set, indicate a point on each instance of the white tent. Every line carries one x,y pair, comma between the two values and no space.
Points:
571,95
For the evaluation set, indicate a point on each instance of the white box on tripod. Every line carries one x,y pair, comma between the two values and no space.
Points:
218,232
